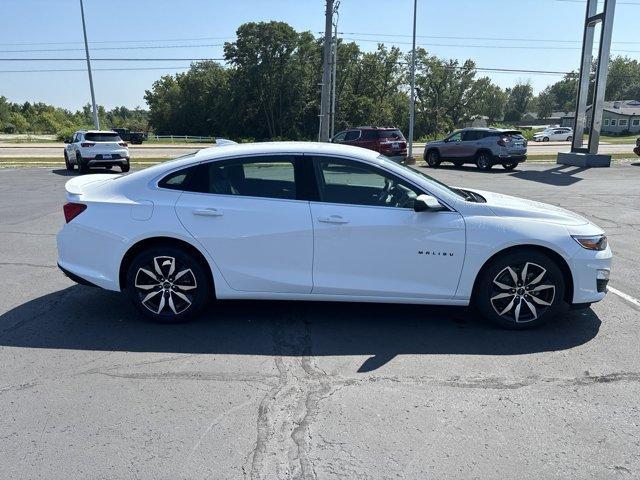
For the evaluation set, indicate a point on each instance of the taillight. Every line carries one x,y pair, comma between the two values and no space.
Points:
72,210
502,142
122,144
87,144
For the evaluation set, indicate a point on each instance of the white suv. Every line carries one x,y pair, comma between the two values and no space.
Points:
95,148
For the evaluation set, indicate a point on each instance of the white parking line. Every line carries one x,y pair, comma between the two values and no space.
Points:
628,298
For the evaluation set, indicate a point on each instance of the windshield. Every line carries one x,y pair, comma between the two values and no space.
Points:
454,191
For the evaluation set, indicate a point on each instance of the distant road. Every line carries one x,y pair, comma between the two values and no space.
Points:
155,150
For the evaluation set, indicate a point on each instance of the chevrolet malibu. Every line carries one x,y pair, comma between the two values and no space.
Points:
311,221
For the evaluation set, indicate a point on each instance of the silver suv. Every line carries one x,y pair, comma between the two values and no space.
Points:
485,147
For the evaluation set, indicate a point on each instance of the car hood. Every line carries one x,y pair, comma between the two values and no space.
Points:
508,206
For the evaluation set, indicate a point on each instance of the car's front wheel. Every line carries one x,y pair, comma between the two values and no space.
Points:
67,163
569,138
520,290
433,159
545,139
168,284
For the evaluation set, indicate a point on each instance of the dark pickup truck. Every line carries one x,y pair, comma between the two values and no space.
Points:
135,138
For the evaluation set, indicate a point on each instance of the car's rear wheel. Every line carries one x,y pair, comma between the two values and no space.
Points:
433,159
520,290
82,165
508,166
168,284
545,139
125,167
458,164
484,161
67,163
569,138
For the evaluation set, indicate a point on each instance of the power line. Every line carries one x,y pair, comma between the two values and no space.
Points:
120,59
112,48
94,69
229,37
500,47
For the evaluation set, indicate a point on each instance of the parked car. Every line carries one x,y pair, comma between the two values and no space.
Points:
637,149
561,134
388,141
314,221
96,148
485,147
135,138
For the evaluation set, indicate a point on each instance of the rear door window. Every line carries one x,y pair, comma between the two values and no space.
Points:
391,134
369,135
268,176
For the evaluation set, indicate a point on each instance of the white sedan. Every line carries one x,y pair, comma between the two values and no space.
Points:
563,134
312,221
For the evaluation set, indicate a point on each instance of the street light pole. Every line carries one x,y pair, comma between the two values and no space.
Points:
96,120
334,81
412,99
325,99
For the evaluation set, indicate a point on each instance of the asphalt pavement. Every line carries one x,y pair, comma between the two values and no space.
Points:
264,390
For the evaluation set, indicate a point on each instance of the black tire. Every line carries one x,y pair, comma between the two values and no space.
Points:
433,158
180,296
517,304
569,138
67,164
82,165
125,167
107,167
484,161
508,166
545,139
458,164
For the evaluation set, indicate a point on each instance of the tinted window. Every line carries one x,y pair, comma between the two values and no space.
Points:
339,137
392,134
369,135
102,137
472,135
352,135
179,180
456,137
343,181
269,176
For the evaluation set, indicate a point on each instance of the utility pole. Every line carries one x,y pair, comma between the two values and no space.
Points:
334,81
326,75
412,99
96,120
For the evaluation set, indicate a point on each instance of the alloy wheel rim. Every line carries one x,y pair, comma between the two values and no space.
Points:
165,287
522,293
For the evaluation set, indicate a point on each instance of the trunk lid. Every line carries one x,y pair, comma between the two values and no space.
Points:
81,185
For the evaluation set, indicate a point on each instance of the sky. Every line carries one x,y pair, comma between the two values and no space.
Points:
515,34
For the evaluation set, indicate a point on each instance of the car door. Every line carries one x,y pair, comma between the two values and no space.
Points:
470,143
248,215
453,146
368,240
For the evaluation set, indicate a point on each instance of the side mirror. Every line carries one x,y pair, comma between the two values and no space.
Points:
446,140
427,203
67,140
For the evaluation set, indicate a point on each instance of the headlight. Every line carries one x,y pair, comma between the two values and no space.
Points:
591,242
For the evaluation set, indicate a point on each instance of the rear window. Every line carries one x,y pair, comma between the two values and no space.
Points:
102,137
391,134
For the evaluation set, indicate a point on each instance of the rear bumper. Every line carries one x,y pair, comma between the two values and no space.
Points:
76,278
105,163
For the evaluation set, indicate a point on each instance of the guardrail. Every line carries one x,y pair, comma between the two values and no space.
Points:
193,138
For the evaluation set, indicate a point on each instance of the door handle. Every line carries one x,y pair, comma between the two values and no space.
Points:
332,219
208,212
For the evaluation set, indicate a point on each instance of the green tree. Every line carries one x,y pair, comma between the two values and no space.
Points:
518,101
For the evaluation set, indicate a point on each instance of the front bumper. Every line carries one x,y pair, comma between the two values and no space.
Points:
589,277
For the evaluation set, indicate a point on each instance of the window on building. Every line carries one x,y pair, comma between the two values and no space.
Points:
624,122
635,122
606,122
614,122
